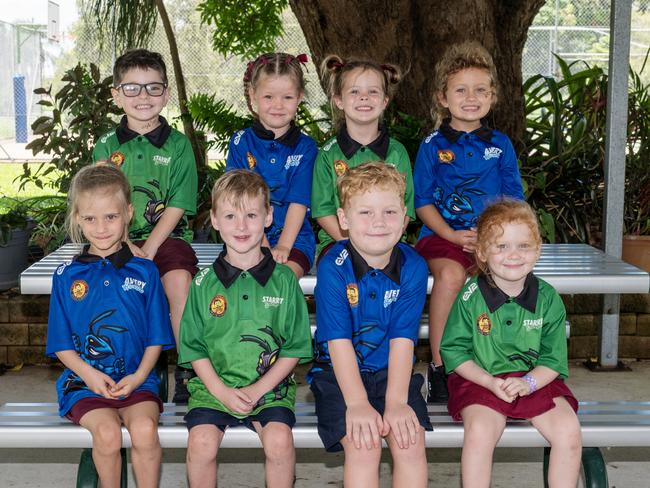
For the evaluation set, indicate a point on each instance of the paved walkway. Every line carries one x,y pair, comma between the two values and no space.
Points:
514,468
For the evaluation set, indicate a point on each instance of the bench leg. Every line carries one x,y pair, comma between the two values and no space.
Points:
87,473
593,466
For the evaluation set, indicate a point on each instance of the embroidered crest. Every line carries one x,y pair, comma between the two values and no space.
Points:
446,156
251,160
340,167
79,290
353,294
484,324
117,158
491,152
218,306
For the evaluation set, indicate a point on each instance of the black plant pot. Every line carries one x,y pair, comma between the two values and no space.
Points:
13,258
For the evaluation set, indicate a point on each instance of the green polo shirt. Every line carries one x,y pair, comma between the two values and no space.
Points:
504,334
243,321
161,169
341,153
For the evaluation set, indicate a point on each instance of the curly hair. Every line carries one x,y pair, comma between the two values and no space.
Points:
370,176
456,58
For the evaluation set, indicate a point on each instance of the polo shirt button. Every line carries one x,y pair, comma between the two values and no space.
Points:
106,283
245,297
272,160
373,295
139,138
139,156
363,149
373,273
243,275
469,154
508,322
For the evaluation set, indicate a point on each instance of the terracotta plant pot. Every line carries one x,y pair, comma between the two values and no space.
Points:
636,251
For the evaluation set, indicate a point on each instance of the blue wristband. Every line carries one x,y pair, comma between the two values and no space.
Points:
532,383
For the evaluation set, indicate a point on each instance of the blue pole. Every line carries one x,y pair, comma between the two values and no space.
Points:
20,108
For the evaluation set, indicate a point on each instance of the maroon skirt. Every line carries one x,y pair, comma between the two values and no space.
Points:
85,405
463,393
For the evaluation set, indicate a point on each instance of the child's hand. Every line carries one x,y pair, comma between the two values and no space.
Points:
280,254
100,383
125,386
496,387
236,400
253,393
136,250
363,425
402,421
465,238
516,387
149,250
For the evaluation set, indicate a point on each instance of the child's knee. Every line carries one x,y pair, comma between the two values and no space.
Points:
363,458
144,433
451,277
107,437
176,281
278,443
202,444
412,457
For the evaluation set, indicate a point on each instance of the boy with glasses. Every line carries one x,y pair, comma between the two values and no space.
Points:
159,163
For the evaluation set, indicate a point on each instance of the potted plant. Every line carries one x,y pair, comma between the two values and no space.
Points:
15,228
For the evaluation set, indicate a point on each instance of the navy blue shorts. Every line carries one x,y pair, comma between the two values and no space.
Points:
330,405
222,420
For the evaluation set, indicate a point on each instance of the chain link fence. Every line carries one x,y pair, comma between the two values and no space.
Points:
572,29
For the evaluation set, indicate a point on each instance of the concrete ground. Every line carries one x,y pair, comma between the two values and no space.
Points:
520,468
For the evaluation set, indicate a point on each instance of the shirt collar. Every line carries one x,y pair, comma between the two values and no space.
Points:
118,258
289,138
157,137
227,273
484,132
494,297
349,146
361,267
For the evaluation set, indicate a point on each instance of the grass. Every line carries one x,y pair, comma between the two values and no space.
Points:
10,187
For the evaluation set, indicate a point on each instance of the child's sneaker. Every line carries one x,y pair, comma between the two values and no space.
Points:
436,384
182,376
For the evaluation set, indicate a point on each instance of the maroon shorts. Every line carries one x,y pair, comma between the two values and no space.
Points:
173,254
299,257
433,247
463,393
85,405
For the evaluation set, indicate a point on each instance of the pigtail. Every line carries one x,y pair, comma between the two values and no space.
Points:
393,74
248,76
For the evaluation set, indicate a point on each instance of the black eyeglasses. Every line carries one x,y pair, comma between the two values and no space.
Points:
155,89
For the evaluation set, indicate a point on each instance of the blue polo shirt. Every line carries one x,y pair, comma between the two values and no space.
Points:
109,310
368,306
287,165
461,173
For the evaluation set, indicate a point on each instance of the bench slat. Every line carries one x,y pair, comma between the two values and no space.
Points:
570,268
604,424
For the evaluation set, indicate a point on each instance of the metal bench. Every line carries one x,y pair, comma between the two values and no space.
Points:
604,424
570,268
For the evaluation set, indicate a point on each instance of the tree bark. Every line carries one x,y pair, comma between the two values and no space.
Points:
188,125
414,34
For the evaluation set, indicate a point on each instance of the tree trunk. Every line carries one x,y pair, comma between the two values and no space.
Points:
413,34
188,125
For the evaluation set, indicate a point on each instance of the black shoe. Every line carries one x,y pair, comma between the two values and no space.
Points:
182,376
436,384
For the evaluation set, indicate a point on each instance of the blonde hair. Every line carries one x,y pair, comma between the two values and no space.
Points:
335,70
370,176
458,57
237,185
104,178
494,217
273,64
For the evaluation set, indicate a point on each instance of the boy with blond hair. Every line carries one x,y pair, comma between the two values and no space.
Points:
244,329
370,294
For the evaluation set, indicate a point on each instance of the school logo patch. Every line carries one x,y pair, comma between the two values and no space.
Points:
251,160
353,294
218,306
79,290
117,158
340,167
484,324
446,156
491,153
